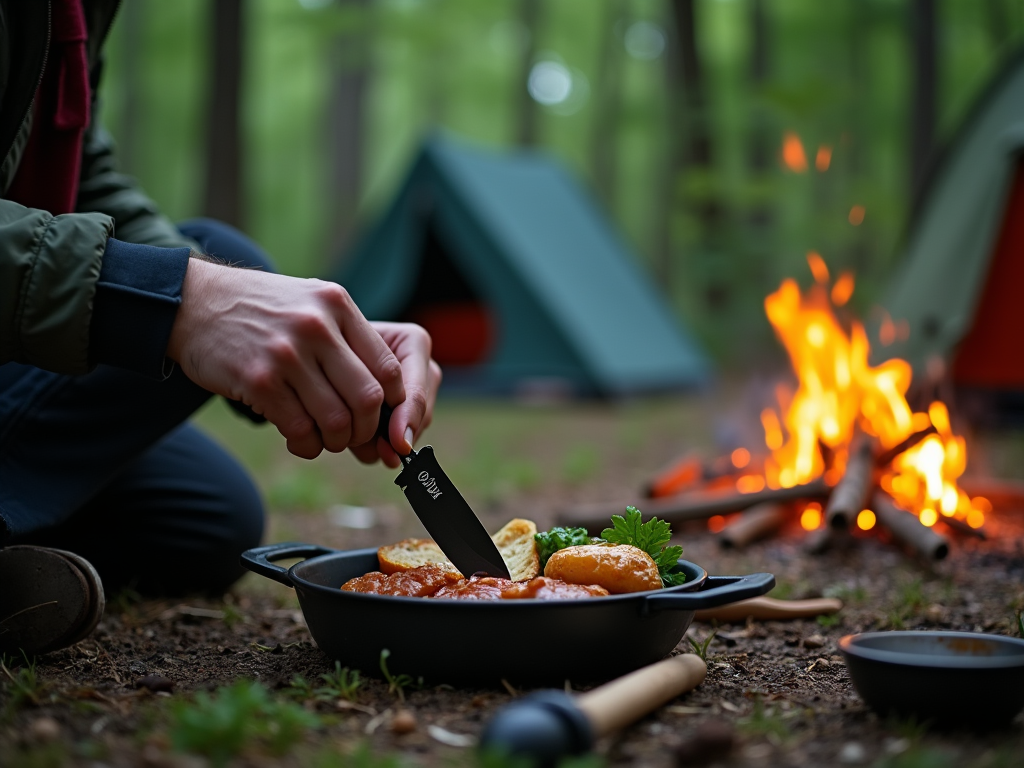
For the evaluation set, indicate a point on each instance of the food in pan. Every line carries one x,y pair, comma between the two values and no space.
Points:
618,568
515,542
631,556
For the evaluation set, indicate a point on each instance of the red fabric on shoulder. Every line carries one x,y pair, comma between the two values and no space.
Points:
47,177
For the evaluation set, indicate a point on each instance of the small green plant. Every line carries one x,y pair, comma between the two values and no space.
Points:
829,620
396,683
23,685
767,723
1020,623
701,648
232,615
342,683
909,728
360,757
219,726
909,598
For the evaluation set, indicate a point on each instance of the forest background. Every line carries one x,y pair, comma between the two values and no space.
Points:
725,138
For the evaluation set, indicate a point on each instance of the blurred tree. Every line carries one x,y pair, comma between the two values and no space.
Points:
134,26
924,90
351,63
608,102
223,178
529,18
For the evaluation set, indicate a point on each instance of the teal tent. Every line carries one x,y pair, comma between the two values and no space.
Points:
522,282
958,296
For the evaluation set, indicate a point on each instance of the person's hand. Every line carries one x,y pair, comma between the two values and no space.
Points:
422,377
300,353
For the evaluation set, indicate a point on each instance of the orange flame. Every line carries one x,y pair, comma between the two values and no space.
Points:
856,216
793,155
824,158
839,392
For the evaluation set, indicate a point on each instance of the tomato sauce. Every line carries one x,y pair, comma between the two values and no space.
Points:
431,581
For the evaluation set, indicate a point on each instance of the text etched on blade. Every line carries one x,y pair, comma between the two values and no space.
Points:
429,483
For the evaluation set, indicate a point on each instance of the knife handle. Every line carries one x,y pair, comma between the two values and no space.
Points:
383,425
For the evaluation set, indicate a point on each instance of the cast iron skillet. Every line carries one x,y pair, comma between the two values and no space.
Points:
481,642
932,675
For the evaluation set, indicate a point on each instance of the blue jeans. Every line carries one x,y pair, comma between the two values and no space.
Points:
104,465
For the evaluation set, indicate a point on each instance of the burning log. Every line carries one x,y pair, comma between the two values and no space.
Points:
686,472
962,527
908,530
885,458
756,523
691,506
851,493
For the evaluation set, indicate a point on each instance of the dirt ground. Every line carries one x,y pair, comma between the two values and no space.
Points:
777,693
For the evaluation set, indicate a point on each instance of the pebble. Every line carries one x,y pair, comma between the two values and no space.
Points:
814,641
852,753
155,683
935,612
43,730
404,721
712,742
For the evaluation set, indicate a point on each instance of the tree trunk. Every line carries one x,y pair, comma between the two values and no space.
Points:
223,188
607,105
132,32
351,68
923,111
529,17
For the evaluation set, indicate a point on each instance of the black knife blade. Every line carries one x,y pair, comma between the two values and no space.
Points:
445,514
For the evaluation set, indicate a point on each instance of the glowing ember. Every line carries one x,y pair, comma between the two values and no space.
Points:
740,458
810,518
839,393
793,155
716,523
856,216
824,158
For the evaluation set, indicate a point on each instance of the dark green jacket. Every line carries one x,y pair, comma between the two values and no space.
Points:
50,265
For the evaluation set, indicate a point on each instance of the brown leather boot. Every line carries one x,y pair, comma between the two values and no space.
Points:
49,599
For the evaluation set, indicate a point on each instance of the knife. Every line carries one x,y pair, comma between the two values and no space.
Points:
449,520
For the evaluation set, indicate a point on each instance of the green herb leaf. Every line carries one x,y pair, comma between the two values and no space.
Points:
549,542
651,537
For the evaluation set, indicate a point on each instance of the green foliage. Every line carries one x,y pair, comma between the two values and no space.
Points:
52,755
360,757
652,537
1020,623
396,683
581,463
221,725
701,648
765,722
908,599
919,757
549,542
829,620
21,683
342,683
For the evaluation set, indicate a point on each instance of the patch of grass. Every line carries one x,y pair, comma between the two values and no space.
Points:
854,595
783,590
342,683
909,728
765,722
919,757
360,757
396,683
908,599
829,620
581,462
701,648
1020,623
22,685
303,488
52,755
221,725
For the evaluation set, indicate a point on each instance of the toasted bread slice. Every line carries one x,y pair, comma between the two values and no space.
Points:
518,549
412,553
514,541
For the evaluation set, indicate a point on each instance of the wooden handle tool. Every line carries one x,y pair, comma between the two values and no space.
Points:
771,609
546,726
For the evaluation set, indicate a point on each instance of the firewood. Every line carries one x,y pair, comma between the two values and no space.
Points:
907,529
852,492
690,506
756,523
885,458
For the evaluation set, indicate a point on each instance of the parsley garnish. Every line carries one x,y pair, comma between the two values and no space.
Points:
551,541
651,537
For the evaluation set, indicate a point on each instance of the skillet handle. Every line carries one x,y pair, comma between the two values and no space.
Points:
260,560
718,590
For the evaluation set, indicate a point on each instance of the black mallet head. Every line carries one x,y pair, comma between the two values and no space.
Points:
543,727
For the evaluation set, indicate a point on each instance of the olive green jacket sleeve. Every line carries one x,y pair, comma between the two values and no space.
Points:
49,266
102,189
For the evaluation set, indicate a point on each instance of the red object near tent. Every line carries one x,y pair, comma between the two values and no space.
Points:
463,332
991,354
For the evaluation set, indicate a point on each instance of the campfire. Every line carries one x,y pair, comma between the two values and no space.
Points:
843,451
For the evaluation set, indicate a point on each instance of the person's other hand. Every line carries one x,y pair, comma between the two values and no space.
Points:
422,377
300,353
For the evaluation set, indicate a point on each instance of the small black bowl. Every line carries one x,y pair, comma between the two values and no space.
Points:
943,678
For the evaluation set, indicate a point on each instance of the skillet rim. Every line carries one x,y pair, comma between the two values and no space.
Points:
689,586
852,645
